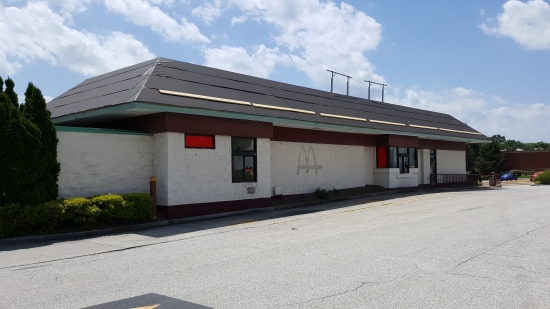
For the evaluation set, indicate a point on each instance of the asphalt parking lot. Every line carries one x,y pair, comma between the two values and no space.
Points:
482,248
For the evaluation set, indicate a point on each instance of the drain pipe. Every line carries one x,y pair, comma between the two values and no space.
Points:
153,191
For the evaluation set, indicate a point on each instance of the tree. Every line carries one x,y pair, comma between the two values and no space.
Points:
20,162
490,159
35,110
499,139
11,93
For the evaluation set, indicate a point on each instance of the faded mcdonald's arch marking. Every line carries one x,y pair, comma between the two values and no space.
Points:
307,157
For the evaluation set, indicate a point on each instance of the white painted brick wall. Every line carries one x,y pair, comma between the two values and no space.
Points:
341,167
451,162
204,175
97,163
424,167
370,164
391,178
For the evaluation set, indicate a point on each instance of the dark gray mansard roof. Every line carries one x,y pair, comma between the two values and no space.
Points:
164,85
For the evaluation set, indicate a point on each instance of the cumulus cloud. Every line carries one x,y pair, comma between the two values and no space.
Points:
487,113
319,36
209,11
36,32
527,23
236,59
142,13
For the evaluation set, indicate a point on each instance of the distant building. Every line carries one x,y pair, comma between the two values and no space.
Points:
528,160
221,141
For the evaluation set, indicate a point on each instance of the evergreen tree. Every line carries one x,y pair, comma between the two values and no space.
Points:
490,159
11,93
1,85
35,110
20,163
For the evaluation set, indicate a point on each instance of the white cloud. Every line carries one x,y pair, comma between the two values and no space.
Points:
36,32
487,113
238,20
209,11
319,36
528,23
6,67
142,13
70,5
236,59
481,12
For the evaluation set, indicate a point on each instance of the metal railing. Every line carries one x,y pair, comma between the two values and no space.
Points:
454,180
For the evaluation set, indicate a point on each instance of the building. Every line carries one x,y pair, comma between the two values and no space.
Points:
221,141
528,160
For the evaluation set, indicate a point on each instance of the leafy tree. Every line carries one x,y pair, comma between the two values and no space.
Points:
499,139
35,110
490,159
20,163
11,93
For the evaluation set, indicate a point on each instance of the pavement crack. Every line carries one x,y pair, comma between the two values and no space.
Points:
501,244
495,279
358,287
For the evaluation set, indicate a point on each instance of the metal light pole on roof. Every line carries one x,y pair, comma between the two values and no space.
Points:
383,85
332,80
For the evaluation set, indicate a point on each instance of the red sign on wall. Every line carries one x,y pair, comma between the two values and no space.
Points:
199,141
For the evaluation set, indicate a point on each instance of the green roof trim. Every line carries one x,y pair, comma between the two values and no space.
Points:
96,130
283,121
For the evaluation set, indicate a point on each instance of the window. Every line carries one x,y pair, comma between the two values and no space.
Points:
199,141
393,157
413,157
243,159
396,157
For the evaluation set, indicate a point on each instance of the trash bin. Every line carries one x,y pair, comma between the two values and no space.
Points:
497,180
492,180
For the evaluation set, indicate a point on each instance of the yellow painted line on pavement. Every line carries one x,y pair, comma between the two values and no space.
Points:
147,307
242,222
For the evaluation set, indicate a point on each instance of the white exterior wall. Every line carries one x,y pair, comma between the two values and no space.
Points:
204,175
102,163
451,162
391,178
293,166
370,165
424,166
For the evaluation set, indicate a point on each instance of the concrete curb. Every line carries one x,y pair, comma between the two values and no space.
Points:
148,225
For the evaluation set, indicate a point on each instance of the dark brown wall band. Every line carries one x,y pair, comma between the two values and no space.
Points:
193,124
281,134
205,125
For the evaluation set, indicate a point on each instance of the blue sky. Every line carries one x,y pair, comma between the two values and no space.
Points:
484,62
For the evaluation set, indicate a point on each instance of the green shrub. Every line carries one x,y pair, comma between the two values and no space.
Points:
322,193
516,172
141,204
543,178
18,220
80,212
113,208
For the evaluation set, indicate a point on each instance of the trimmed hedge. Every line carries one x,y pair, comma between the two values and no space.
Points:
543,178
74,213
